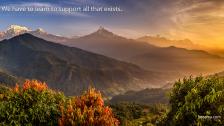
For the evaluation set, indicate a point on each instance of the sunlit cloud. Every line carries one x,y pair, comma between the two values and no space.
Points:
201,21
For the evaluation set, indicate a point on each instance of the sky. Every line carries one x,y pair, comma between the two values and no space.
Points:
201,21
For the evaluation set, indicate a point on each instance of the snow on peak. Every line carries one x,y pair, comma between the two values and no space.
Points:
16,30
104,32
101,28
41,31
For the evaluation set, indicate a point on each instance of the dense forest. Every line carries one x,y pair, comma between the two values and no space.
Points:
192,101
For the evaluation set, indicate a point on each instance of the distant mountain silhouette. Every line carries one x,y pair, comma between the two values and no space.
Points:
172,62
49,37
15,30
70,69
179,62
188,62
107,43
164,42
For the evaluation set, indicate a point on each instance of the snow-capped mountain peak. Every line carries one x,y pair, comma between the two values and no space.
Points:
16,29
40,31
104,32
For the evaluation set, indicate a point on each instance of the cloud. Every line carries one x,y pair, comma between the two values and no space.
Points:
67,11
201,20
33,4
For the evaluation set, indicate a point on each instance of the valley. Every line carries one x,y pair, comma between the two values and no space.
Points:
111,63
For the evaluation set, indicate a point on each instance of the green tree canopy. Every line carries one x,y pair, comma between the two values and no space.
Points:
197,101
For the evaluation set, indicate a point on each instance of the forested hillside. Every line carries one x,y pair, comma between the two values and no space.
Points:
192,101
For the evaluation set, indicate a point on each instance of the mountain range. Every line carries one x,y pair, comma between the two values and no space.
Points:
15,30
165,42
70,69
185,43
113,63
170,60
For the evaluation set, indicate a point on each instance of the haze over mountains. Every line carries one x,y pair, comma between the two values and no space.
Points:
178,61
107,43
133,64
70,69
146,96
185,43
164,42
